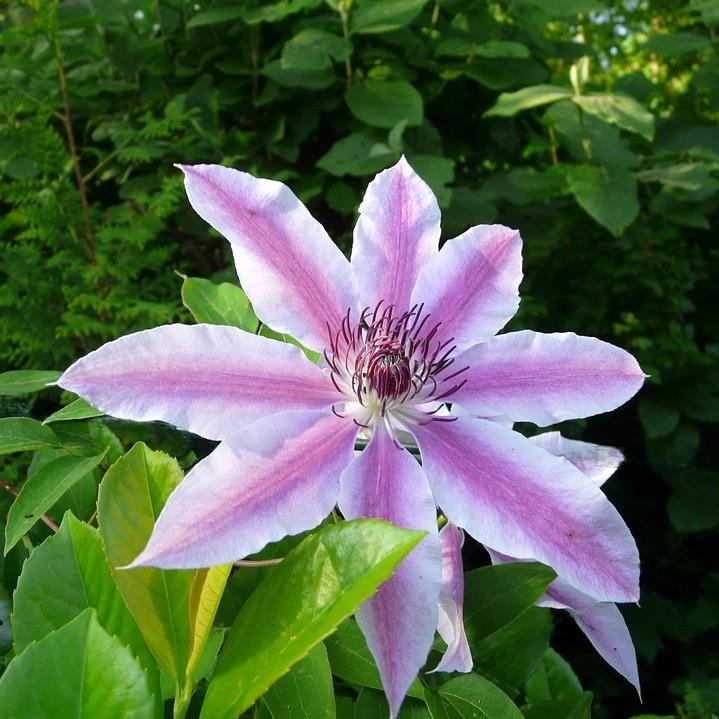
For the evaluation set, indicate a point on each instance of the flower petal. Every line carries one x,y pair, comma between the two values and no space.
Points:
208,379
457,657
596,461
279,476
601,622
400,620
396,233
546,378
514,496
472,285
295,276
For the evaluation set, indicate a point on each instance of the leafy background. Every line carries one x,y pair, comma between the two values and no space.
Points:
606,159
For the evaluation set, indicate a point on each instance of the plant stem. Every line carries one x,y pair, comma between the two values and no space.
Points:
70,134
9,488
182,700
344,16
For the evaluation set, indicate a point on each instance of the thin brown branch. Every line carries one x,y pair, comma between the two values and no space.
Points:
70,134
258,562
9,488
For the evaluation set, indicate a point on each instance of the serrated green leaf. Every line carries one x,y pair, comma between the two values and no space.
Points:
510,103
305,692
76,671
132,494
42,490
384,103
64,576
26,381
494,596
319,584
76,410
22,434
223,304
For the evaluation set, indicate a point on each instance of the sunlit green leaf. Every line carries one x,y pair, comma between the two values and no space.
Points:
77,409
510,103
26,381
22,434
223,304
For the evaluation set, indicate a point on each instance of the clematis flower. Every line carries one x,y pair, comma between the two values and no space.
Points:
404,329
601,622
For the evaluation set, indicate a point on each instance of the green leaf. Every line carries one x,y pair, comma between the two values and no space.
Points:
357,154
473,695
132,493
510,655
372,704
76,410
689,176
313,49
22,434
671,44
438,173
608,194
274,12
384,103
76,671
26,381
657,417
565,8
510,103
301,601
42,490
694,504
305,692
496,595
352,661
215,17
64,576
311,79
620,110
502,48
223,304
377,16
566,707
553,677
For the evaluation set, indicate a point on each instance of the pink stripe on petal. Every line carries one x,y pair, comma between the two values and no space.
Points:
457,657
516,497
472,285
295,276
396,233
596,461
208,379
400,620
278,477
546,378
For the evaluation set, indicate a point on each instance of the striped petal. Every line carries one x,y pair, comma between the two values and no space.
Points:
296,278
208,379
396,233
400,620
279,476
546,378
514,496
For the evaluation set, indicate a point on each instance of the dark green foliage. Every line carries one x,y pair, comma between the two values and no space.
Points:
608,164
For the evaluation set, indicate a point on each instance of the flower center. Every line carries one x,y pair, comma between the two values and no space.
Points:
392,367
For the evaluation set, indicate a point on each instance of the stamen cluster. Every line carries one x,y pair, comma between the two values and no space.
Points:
389,362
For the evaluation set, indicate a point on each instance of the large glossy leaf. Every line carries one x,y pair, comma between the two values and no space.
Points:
132,493
319,584
25,381
78,409
494,596
64,576
510,103
22,434
76,672
305,692
42,490
223,304
608,194
352,661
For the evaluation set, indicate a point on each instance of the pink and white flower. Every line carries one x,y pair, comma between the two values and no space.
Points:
404,329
